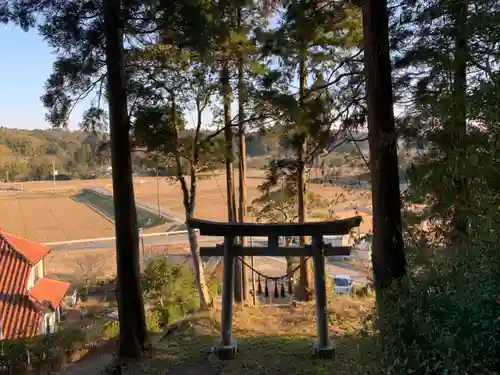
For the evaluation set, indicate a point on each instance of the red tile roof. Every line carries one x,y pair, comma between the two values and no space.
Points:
32,251
19,314
50,290
20,309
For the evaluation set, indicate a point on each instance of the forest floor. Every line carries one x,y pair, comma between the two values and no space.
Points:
271,339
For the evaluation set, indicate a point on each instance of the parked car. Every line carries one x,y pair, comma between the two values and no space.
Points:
343,284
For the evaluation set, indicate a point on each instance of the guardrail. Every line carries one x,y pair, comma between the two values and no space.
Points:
105,239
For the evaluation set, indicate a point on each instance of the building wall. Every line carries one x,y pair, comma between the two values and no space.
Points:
49,323
36,273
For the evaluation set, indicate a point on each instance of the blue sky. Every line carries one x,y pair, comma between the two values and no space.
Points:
25,63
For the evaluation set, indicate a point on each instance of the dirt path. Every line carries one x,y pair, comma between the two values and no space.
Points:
93,362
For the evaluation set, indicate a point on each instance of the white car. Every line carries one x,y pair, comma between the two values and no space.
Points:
343,284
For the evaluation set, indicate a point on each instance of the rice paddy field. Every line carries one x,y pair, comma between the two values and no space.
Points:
44,212
46,217
211,201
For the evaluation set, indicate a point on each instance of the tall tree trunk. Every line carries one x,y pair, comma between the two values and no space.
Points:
303,292
242,165
133,333
460,222
189,201
387,247
231,199
199,276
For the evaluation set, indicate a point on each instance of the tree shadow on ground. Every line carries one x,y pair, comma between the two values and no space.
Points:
270,340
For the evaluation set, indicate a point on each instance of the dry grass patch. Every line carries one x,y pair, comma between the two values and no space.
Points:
211,196
271,339
45,217
41,215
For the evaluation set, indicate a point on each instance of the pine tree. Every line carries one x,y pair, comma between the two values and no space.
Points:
387,245
92,62
448,71
133,333
312,41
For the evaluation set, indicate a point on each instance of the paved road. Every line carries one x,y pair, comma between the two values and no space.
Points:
148,241
273,266
173,239
276,267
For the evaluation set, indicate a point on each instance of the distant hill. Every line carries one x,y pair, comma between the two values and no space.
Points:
31,154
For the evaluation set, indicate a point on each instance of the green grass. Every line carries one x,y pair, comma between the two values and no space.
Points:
104,204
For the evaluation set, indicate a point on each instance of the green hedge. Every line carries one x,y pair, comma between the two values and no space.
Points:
15,352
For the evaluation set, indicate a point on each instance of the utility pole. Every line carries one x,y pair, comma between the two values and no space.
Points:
158,191
304,281
142,245
254,297
53,176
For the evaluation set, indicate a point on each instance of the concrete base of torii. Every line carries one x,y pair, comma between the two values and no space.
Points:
226,352
325,352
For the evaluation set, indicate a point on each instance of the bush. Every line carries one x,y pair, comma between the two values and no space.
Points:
69,338
447,321
15,351
153,321
215,284
170,288
170,313
111,329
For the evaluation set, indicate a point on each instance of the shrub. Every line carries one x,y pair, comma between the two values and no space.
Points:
111,329
170,288
170,313
446,322
153,320
15,352
40,347
69,338
214,284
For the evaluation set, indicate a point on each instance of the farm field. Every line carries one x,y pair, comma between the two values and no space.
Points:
211,201
45,217
40,214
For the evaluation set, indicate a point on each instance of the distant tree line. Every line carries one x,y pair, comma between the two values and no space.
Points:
33,154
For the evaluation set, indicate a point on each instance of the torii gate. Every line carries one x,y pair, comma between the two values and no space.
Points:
323,346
